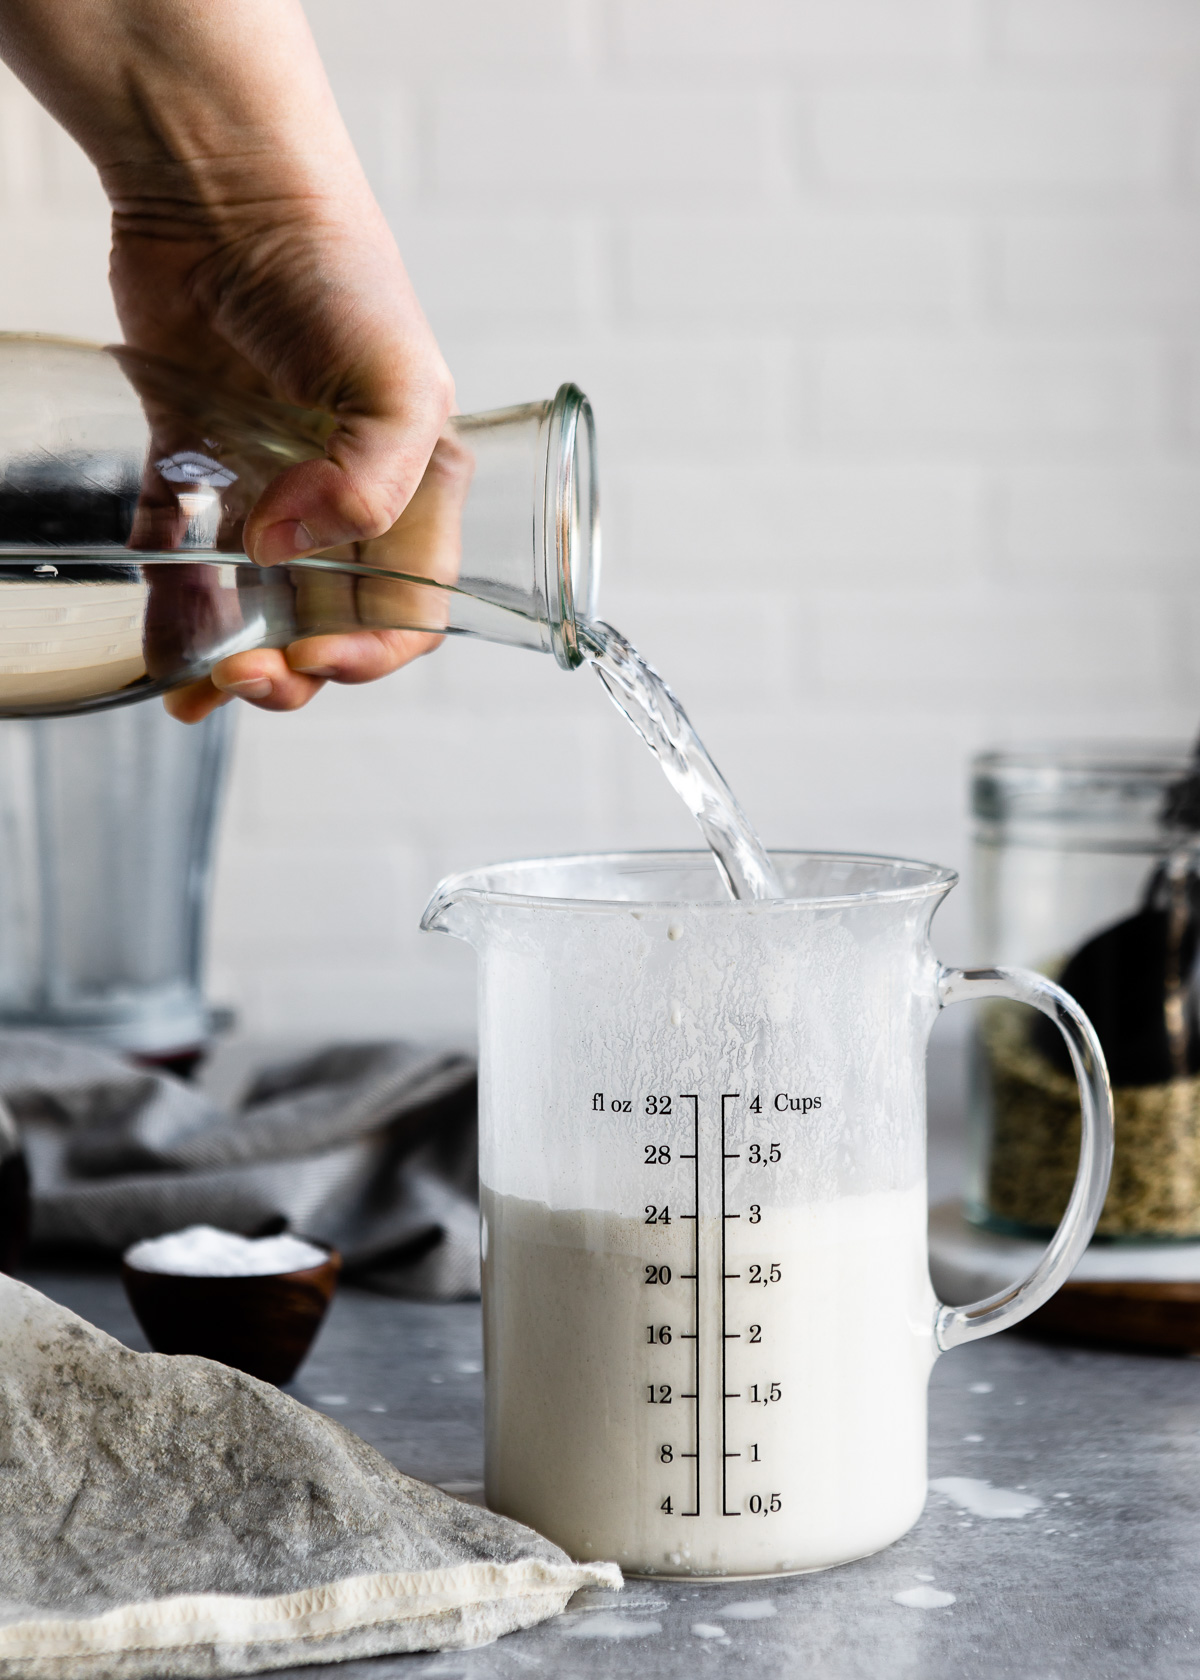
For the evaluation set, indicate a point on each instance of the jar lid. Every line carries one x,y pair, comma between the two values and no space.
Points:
1079,781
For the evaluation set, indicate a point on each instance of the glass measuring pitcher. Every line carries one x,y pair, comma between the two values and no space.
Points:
708,1319
124,486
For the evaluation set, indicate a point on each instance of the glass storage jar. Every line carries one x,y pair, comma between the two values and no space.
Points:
1085,870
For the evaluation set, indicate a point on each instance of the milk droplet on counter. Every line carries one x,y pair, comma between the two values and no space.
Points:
708,1630
923,1574
676,1015
609,1626
749,1610
984,1500
674,930
973,1438
923,1598
980,1388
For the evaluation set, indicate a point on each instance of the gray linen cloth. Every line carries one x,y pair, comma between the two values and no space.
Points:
164,1516
370,1147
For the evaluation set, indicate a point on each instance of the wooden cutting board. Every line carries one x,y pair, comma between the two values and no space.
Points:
1121,1294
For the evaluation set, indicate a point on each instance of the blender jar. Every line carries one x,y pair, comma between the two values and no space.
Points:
109,824
1080,874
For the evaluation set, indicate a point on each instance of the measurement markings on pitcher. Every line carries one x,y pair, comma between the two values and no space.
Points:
656,1155
694,1334
727,1335
757,1133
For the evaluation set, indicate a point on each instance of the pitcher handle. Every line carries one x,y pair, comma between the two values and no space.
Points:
955,1325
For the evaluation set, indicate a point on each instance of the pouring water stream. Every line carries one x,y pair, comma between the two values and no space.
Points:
637,690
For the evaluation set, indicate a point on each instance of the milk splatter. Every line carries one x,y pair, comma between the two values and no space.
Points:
610,1626
923,1598
984,1500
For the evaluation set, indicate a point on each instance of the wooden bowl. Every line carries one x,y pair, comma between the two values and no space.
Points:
261,1325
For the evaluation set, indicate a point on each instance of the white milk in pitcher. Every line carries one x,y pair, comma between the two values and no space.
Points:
781,1430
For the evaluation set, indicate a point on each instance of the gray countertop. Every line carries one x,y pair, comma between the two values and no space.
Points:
1103,1582
1100,1580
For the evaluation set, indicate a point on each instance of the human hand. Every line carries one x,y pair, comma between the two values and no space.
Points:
249,250
320,313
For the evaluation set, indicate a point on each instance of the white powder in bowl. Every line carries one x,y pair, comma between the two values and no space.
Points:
203,1251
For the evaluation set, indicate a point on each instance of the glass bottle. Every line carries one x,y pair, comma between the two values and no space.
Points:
124,486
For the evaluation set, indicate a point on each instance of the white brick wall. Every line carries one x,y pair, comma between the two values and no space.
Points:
890,311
